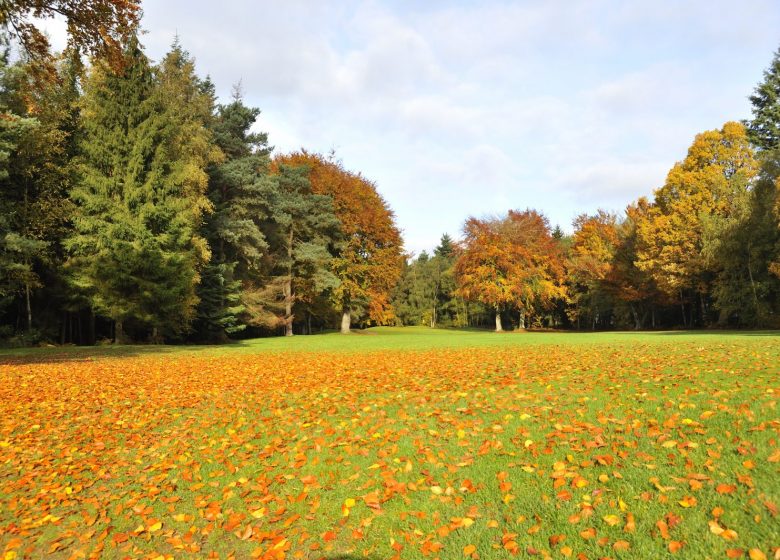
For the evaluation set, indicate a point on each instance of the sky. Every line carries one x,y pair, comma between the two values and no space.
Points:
457,109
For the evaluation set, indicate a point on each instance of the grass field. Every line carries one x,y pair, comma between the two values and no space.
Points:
395,443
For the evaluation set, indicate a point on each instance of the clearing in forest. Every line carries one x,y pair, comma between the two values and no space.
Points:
408,444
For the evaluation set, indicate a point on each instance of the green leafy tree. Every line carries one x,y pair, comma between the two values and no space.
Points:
34,178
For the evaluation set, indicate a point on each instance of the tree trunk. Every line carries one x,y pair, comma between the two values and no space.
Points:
288,316
29,308
288,295
346,321
682,305
753,283
91,327
637,324
521,324
703,304
119,332
499,328
64,329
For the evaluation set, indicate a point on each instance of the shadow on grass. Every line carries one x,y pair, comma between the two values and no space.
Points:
62,354
702,332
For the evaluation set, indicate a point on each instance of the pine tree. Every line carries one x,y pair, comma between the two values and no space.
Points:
764,129
238,189
135,252
303,231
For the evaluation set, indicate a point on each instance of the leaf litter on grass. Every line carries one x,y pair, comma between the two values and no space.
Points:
594,451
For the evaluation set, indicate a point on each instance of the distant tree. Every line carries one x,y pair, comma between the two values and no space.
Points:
368,264
445,248
510,263
589,264
303,230
700,196
632,287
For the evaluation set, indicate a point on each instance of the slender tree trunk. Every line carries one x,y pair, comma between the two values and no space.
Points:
91,327
752,283
29,308
80,329
692,322
521,324
499,328
346,320
119,332
682,305
703,309
288,316
637,324
288,295
64,327
308,322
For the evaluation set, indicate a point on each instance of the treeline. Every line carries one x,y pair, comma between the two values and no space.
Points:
704,251
135,207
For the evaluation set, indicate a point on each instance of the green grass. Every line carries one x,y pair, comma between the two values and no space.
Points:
393,338
419,427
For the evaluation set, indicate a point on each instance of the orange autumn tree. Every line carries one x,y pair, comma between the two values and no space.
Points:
510,263
98,27
589,263
691,214
368,263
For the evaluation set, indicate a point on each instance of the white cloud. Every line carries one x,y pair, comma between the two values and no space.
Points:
456,109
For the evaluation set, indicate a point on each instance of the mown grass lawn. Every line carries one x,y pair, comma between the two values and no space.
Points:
405,443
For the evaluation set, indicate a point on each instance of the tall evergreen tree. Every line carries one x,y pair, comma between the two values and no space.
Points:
136,251
238,189
303,231
764,129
